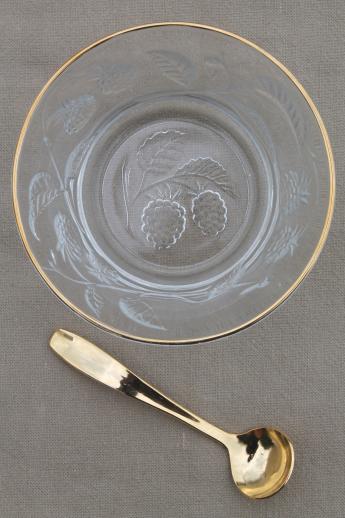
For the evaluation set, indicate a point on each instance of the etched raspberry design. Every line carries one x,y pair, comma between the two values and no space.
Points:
78,112
163,222
209,212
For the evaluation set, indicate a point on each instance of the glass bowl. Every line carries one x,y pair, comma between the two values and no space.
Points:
173,183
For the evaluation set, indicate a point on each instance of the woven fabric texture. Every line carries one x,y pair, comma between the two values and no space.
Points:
71,448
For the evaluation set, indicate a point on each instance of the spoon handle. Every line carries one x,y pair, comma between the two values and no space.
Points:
93,361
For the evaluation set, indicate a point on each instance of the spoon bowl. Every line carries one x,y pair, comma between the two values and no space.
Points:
261,461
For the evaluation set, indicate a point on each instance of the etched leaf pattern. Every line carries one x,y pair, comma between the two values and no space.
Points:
159,151
230,281
94,300
43,189
252,286
234,280
284,244
297,191
277,92
156,155
215,68
76,158
101,271
209,170
174,65
114,78
140,312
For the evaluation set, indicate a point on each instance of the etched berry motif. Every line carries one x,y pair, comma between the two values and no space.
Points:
68,243
77,113
163,222
209,212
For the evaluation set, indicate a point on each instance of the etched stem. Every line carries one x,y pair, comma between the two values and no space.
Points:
125,190
170,179
53,161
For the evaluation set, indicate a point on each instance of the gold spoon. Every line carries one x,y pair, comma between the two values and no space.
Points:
261,459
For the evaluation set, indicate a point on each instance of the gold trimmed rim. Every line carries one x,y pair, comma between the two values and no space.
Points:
316,251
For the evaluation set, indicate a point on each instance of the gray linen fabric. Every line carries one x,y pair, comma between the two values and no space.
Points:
70,448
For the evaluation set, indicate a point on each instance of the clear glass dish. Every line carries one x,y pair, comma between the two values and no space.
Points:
173,183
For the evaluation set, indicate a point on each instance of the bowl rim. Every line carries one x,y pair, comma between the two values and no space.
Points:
308,267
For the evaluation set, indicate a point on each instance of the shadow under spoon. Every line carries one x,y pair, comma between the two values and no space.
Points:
261,459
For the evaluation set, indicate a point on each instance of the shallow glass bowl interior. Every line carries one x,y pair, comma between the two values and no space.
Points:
173,183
